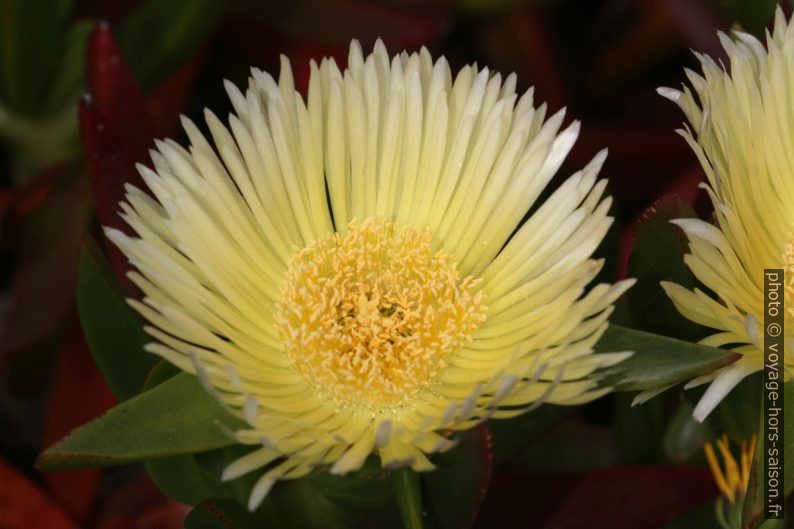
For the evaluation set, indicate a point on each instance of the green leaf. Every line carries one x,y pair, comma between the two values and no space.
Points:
112,329
161,34
657,255
161,372
30,49
71,71
753,514
456,488
638,430
684,438
183,479
657,361
737,413
752,15
177,417
409,497
193,478
362,499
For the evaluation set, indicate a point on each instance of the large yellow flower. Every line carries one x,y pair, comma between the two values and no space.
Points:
743,121
344,273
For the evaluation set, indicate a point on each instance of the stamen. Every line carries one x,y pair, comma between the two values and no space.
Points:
372,316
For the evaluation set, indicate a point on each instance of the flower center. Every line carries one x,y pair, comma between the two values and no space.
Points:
372,316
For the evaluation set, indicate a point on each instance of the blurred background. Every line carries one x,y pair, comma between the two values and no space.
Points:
603,60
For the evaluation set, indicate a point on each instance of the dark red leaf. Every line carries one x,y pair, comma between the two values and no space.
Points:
687,188
668,207
79,395
111,166
612,498
171,97
138,504
49,238
116,94
24,505
457,487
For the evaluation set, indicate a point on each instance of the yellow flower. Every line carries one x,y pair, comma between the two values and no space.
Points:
344,273
743,121
732,483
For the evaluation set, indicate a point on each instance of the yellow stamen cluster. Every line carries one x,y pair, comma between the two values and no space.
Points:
372,316
733,482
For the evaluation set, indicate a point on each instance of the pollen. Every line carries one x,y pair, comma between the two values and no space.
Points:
373,315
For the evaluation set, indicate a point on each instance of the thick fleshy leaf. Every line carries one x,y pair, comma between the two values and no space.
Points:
638,430
361,500
752,15
78,395
612,498
737,414
657,361
22,503
161,34
684,436
175,418
111,327
364,499
68,82
110,166
117,96
753,514
657,255
182,477
408,489
117,133
456,488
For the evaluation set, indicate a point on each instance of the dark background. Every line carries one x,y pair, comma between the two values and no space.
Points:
603,60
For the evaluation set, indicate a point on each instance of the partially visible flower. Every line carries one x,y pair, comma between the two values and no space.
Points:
346,274
743,122
732,481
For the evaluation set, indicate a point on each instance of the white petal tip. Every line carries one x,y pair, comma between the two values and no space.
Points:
259,492
669,93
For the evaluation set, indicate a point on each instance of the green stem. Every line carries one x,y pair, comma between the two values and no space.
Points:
409,497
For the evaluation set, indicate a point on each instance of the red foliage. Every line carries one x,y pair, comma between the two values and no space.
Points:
612,498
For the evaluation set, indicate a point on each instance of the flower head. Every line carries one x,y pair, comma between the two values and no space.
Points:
347,273
743,120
